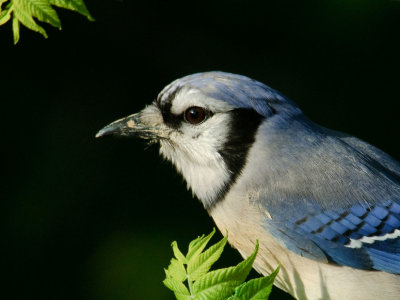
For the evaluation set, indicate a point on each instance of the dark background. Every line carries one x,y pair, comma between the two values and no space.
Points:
93,219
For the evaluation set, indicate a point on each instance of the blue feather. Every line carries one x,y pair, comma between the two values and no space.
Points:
333,233
372,220
237,90
380,212
358,210
339,228
350,222
395,208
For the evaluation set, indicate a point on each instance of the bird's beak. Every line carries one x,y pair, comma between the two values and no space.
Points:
145,124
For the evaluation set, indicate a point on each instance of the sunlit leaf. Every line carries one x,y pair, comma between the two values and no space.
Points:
26,19
198,245
221,284
24,12
5,16
201,264
40,9
255,289
176,270
15,27
74,5
224,281
177,287
178,254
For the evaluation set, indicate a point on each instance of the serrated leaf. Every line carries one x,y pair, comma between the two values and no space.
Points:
15,27
200,265
183,297
26,20
74,5
177,287
40,9
178,254
197,246
176,270
219,292
256,289
216,284
225,280
5,16
194,242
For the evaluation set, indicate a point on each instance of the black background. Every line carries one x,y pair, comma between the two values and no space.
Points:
93,219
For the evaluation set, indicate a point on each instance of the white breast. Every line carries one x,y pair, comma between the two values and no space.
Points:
203,168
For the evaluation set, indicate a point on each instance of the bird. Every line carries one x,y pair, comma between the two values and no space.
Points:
322,204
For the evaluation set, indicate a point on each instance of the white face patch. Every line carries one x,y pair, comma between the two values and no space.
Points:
193,149
186,98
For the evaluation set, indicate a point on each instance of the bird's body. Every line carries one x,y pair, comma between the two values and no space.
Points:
324,205
301,277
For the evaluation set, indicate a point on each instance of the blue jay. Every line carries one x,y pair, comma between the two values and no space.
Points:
323,204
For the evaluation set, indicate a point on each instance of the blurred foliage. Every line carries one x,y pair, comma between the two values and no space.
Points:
23,11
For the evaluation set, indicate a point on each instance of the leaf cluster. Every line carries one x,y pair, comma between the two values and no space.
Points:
26,11
227,283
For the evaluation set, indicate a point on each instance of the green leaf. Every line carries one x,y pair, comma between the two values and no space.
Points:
179,289
15,27
176,270
183,297
74,5
200,265
5,15
178,254
197,246
221,283
25,18
24,11
40,9
256,289
219,292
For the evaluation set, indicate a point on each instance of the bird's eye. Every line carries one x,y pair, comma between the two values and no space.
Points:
195,115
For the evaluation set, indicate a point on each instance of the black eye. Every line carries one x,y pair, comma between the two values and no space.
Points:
195,115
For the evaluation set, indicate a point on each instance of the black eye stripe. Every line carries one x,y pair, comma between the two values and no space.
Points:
169,118
174,120
243,128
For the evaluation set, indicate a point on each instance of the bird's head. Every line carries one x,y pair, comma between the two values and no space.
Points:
205,124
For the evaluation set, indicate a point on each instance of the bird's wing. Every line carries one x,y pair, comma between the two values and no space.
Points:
374,153
354,228
359,237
